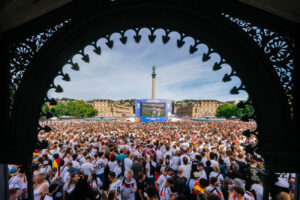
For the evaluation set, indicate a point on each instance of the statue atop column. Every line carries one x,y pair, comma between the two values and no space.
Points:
153,82
153,72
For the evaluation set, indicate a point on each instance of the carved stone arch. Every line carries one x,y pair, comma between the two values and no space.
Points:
201,21
205,24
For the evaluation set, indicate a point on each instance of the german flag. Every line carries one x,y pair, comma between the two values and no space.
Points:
56,163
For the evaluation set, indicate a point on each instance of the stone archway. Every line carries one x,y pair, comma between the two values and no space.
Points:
200,20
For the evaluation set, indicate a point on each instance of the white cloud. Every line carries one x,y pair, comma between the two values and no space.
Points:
125,72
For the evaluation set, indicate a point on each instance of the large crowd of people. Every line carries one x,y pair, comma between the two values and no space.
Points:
147,161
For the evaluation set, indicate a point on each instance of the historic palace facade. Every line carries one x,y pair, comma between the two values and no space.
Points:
197,109
110,108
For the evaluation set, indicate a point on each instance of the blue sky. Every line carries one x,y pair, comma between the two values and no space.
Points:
125,72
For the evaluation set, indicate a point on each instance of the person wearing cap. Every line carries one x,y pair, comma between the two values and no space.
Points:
13,171
14,181
192,181
45,167
200,167
238,182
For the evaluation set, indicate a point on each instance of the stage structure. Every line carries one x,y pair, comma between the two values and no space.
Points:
153,110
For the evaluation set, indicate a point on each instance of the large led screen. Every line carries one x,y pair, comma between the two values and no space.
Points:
153,109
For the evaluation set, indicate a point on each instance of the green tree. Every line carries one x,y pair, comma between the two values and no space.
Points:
46,108
80,109
228,110
58,110
225,110
71,108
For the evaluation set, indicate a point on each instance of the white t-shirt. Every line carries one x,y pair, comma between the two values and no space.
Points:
100,165
191,184
159,155
165,193
112,165
63,170
118,170
258,189
161,180
181,159
217,191
213,163
14,182
203,160
127,164
117,186
176,162
215,174
283,179
70,189
186,171
66,177
48,197
87,168
45,170
75,164
23,185
168,153
203,174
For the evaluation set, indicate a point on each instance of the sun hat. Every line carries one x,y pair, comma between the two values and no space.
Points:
196,174
13,170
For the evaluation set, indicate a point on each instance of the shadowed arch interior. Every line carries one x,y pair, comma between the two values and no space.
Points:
204,24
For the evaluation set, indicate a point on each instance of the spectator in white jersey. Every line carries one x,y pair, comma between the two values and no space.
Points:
283,183
87,167
115,184
129,186
165,192
100,166
186,168
213,188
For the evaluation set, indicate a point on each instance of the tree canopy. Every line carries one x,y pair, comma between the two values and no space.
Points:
228,110
71,108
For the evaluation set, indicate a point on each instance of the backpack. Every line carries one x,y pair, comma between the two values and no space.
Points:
152,169
194,168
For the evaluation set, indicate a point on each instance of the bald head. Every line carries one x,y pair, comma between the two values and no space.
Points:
180,170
